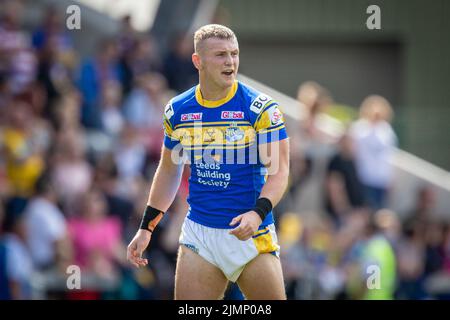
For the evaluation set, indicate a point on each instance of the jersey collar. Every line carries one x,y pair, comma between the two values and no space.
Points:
216,103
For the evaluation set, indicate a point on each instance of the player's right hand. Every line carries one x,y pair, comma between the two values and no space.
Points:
137,247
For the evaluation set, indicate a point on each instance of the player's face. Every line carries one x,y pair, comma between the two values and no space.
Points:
219,61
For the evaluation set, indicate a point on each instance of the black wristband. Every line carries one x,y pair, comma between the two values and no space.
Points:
263,207
151,218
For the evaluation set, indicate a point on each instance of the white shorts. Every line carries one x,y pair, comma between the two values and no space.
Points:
224,250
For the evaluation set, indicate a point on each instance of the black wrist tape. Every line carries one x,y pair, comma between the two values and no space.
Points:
151,218
263,207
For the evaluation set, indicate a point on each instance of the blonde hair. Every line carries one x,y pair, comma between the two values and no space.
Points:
376,107
212,31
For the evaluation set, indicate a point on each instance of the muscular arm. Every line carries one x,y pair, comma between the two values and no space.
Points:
162,193
165,182
275,156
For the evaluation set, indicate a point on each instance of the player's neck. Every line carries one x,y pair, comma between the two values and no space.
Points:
213,93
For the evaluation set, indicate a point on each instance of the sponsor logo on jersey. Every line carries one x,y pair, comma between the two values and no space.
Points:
168,111
191,116
232,115
233,133
275,116
258,104
210,135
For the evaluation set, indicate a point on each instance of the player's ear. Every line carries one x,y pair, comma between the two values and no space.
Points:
196,60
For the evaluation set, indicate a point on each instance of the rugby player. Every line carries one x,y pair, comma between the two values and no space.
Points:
235,141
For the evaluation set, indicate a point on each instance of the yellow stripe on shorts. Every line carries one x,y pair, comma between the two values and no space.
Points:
264,242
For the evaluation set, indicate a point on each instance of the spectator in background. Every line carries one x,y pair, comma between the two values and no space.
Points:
107,180
52,29
178,67
17,58
130,158
66,113
54,73
294,254
17,265
141,58
148,282
97,237
10,34
127,38
424,236
375,275
24,144
375,141
142,108
23,69
411,262
434,253
437,272
300,168
423,211
145,56
4,285
446,249
318,127
5,95
57,58
71,173
314,98
46,227
391,227
343,189
93,74
111,104
127,35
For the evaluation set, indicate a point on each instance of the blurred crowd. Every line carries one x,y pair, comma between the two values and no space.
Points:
356,247
80,139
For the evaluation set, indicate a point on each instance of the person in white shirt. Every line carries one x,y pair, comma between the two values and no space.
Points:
375,141
45,226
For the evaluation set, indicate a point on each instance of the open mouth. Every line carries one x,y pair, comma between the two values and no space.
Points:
227,73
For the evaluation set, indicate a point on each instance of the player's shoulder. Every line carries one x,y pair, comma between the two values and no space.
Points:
256,100
248,92
180,101
183,98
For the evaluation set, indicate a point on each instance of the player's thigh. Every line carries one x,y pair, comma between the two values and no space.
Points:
262,279
196,278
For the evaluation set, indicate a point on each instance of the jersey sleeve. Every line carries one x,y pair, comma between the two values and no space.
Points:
269,124
170,141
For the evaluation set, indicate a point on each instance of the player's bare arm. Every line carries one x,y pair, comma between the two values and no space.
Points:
275,156
162,193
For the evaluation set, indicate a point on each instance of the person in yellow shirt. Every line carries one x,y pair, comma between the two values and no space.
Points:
23,159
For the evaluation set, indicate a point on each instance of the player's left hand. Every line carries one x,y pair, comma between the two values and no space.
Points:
249,223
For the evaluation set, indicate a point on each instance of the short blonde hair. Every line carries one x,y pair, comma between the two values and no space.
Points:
212,31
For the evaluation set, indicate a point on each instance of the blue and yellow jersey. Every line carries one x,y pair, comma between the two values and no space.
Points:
220,139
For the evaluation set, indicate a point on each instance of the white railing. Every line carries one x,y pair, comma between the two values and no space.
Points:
411,172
